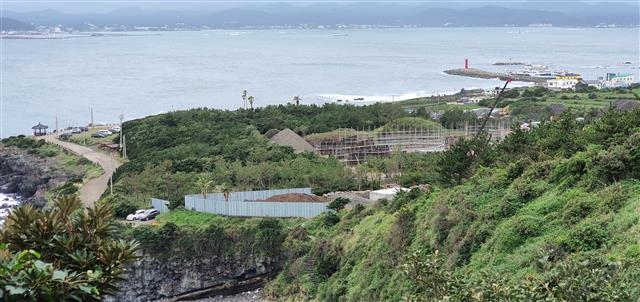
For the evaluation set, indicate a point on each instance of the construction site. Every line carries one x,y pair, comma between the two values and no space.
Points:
355,146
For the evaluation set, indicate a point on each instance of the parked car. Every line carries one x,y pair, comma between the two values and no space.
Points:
149,214
84,129
115,129
76,130
65,136
135,215
105,132
98,135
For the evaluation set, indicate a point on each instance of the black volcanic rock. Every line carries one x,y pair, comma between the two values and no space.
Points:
28,176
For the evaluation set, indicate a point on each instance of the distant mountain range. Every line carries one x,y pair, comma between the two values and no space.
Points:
331,14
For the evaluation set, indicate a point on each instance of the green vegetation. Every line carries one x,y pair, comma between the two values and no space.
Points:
186,234
537,103
174,154
36,147
64,253
410,122
549,214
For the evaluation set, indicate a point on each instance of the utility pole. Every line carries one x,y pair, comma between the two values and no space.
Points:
91,116
57,132
111,176
121,118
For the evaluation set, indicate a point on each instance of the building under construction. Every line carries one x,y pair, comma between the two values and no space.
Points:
354,147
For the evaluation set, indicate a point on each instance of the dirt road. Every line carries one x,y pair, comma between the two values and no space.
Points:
91,190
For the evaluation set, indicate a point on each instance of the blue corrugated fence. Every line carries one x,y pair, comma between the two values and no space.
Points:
160,205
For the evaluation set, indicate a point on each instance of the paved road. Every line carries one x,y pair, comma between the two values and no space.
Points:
93,189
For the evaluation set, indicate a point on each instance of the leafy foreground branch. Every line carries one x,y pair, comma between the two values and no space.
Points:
64,253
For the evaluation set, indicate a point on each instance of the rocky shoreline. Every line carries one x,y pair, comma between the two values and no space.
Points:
28,176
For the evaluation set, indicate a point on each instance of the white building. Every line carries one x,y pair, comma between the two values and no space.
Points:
594,83
562,83
618,80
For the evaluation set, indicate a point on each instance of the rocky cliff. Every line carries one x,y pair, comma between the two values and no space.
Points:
28,176
151,279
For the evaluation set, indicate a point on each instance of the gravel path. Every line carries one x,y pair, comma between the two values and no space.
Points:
93,189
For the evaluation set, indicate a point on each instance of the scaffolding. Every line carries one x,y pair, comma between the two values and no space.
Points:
354,147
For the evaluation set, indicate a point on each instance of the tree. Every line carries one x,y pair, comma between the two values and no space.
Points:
204,184
338,204
62,253
251,101
296,100
462,158
244,98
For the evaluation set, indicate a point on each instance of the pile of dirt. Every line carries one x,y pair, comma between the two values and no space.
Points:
296,197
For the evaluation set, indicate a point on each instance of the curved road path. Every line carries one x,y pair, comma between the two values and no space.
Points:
91,191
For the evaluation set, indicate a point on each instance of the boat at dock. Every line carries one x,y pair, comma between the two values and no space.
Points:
538,71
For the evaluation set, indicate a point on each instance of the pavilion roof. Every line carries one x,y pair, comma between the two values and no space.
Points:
40,126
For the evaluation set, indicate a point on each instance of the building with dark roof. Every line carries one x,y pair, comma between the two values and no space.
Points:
40,129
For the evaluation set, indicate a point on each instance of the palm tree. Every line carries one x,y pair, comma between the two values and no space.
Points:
251,101
244,98
296,100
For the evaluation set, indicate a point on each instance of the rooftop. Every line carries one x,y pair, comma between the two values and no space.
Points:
40,126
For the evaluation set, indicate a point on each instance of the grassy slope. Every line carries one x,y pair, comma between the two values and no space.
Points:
199,221
370,269
497,221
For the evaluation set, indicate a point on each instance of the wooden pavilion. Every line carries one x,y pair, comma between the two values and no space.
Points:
40,129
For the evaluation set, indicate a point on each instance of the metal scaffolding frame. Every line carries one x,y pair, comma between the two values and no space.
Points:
358,146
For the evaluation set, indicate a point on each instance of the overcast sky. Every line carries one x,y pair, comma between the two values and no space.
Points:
101,6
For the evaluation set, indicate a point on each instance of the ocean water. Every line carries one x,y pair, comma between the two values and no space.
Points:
149,74
7,202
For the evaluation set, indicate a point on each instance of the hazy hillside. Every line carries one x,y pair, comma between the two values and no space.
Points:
9,24
331,14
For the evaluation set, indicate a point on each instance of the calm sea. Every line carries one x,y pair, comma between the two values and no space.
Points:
148,74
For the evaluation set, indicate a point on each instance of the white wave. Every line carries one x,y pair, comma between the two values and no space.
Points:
7,202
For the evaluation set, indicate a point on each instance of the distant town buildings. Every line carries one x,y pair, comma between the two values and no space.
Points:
611,80
618,80
564,81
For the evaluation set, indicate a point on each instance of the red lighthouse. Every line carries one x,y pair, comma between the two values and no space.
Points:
466,63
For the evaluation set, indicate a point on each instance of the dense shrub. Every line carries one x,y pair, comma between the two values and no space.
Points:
577,209
269,237
587,236
338,204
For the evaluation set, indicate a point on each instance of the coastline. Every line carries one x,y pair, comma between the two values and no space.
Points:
7,202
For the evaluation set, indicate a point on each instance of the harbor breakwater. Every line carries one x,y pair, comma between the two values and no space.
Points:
483,74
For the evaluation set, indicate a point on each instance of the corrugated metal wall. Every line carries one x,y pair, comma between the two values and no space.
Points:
160,205
255,208
249,204
252,195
